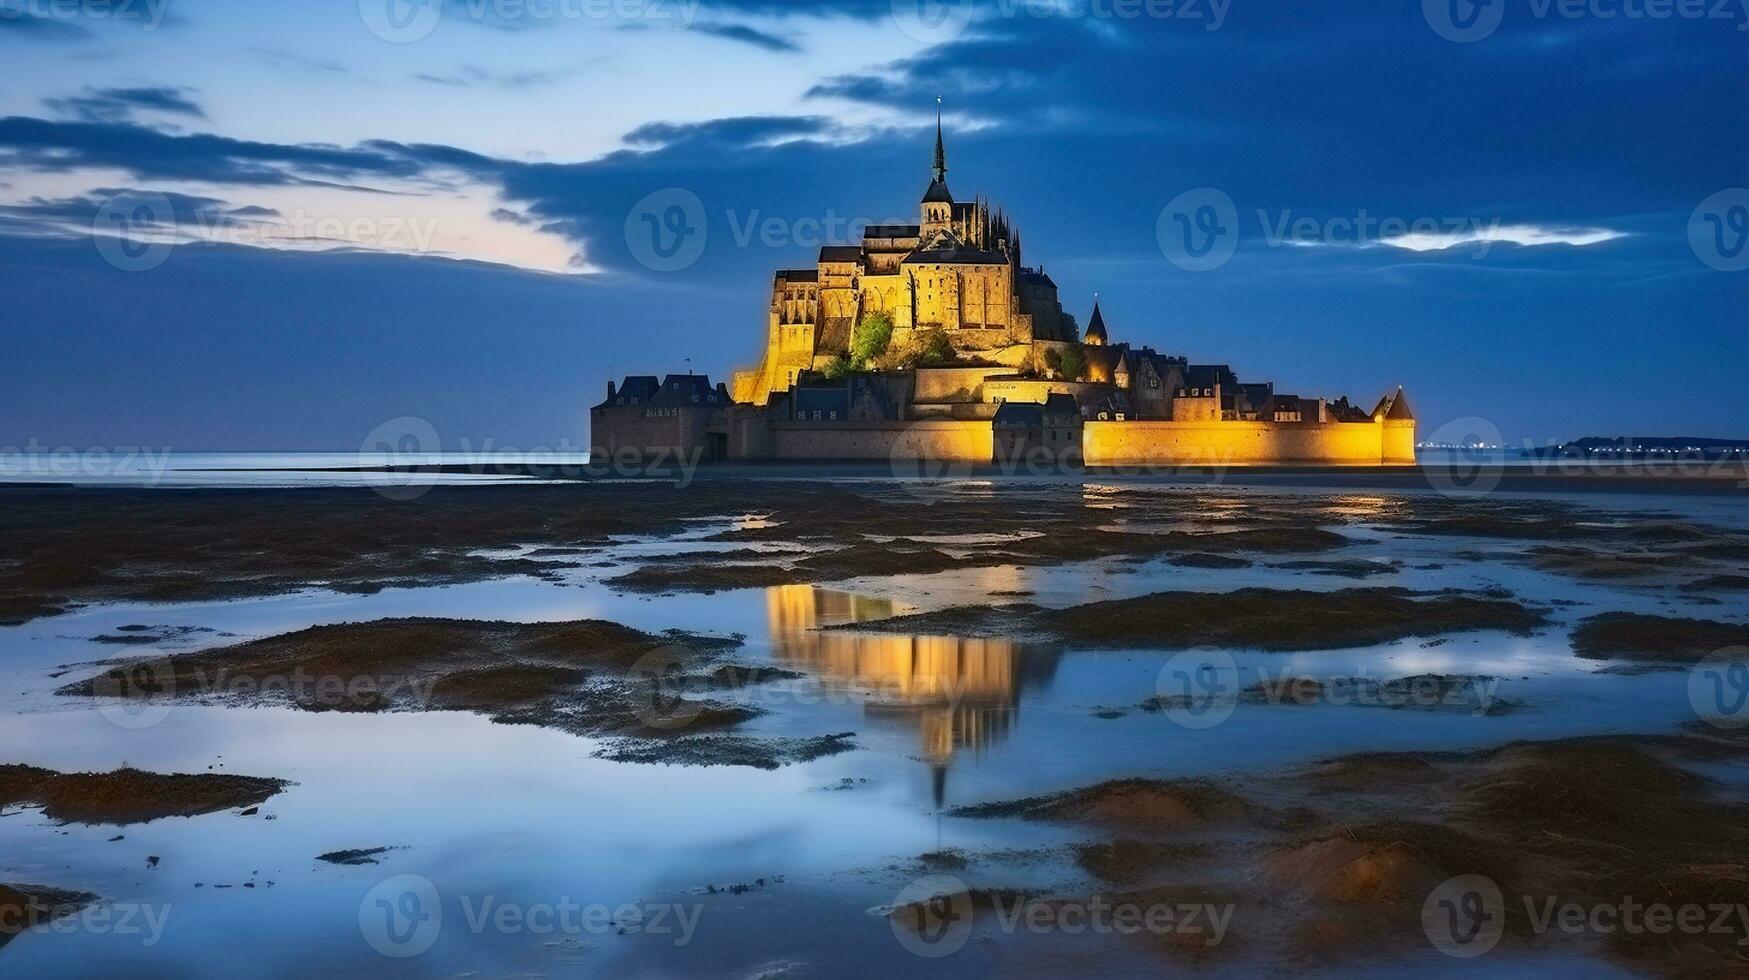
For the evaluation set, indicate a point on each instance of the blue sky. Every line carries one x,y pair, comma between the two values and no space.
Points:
1523,210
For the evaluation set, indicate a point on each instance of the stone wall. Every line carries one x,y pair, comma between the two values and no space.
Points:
1247,443
943,440
945,384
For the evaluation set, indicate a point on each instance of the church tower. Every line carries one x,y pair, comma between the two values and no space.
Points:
937,200
1096,335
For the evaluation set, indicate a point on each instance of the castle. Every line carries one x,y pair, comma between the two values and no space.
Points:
935,341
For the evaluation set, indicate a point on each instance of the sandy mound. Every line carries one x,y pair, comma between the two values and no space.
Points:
24,906
128,795
1136,803
1341,869
1635,636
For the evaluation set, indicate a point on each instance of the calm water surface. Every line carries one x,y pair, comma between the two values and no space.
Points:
500,814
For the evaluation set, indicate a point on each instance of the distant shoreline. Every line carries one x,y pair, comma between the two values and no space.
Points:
1543,476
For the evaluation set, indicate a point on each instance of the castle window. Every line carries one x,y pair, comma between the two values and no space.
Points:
834,415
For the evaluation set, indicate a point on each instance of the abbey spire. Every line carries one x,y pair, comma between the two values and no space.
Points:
940,169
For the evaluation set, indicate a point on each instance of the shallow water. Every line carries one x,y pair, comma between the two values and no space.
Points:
503,814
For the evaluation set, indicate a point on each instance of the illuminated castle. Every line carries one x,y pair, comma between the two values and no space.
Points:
935,341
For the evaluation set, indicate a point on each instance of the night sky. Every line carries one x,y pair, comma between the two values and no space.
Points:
312,216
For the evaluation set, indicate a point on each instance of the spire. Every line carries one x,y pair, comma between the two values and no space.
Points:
1400,410
1096,335
940,146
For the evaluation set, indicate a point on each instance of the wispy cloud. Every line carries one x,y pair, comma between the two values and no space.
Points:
748,35
119,104
472,76
280,58
1521,234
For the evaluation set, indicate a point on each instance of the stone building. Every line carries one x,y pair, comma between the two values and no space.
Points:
981,363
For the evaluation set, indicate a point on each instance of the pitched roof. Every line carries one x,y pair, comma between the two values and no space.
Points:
688,389
1096,326
891,231
937,193
798,275
841,253
1400,410
1020,415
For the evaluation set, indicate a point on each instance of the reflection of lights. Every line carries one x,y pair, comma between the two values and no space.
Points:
959,692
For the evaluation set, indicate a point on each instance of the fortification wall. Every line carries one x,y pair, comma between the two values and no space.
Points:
1245,443
943,440
1037,390
1399,443
945,383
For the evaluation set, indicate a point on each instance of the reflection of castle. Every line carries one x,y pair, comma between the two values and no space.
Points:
959,693
925,340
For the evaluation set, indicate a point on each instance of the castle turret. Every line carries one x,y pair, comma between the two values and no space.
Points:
1096,335
937,200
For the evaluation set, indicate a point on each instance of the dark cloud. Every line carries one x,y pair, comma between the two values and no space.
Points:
20,23
120,104
85,214
747,35
44,145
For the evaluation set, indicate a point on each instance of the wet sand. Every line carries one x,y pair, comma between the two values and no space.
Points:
1326,866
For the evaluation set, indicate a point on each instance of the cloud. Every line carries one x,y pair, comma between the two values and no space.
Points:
471,76
83,215
1520,234
120,104
60,147
280,58
748,35
18,22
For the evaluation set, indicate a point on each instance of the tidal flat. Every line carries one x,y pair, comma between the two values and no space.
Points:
769,727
